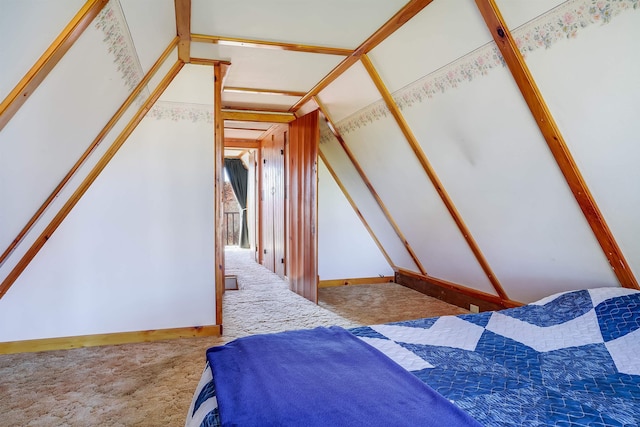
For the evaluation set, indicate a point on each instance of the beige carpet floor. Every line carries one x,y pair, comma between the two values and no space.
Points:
151,384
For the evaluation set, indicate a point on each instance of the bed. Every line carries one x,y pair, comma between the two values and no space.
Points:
571,359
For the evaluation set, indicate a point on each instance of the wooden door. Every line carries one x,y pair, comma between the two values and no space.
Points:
302,183
273,201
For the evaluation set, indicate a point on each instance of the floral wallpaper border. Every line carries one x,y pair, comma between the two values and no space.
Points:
111,21
179,111
561,22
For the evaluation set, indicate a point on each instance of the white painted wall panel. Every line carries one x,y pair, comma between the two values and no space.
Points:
54,127
136,253
350,92
335,23
268,68
439,34
28,27
345,247
414,204
518,12
598,116
368,206
193,84
498,170
152,24
66,193
172,58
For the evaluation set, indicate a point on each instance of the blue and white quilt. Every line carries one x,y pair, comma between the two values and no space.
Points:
572,359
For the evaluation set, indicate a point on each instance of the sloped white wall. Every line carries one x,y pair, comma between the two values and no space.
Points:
136,252
29,28
472,123
54,127
598,113
368,206
345,247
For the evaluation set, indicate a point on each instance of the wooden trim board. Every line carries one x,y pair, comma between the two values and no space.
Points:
357,281
218,179
67,343
452,293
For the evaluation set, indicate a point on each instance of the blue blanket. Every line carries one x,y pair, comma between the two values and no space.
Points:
321,377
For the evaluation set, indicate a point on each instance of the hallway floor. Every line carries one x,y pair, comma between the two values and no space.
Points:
359,304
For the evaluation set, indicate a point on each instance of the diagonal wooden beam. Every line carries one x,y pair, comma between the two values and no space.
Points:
411,9
218,161
433,177
103,133
369,186
88,181
556,142
183,29
36,75
344,190
263,44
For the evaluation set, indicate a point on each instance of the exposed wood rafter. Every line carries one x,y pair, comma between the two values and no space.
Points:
263,91
103,133
241,143
555,141
209,62
183,29
218,161
36,75
410,10
88,181
231,41
372,190
257,116
433,177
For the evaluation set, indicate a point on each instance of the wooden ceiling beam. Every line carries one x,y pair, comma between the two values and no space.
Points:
263,91
263,44
88,181
257,116
230,127
208,62
43,66
433,177
411,9
183,29
103,133
370,187
241,143
552,135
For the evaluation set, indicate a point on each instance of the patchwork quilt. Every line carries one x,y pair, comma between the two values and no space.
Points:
572,359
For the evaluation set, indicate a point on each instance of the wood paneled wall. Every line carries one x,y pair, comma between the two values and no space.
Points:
303,190
273,202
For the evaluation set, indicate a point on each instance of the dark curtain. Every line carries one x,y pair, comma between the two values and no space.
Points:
238,175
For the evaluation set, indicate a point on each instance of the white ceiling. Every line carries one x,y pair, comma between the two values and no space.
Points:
332,23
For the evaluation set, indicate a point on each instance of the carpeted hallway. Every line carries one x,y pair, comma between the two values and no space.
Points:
151,384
